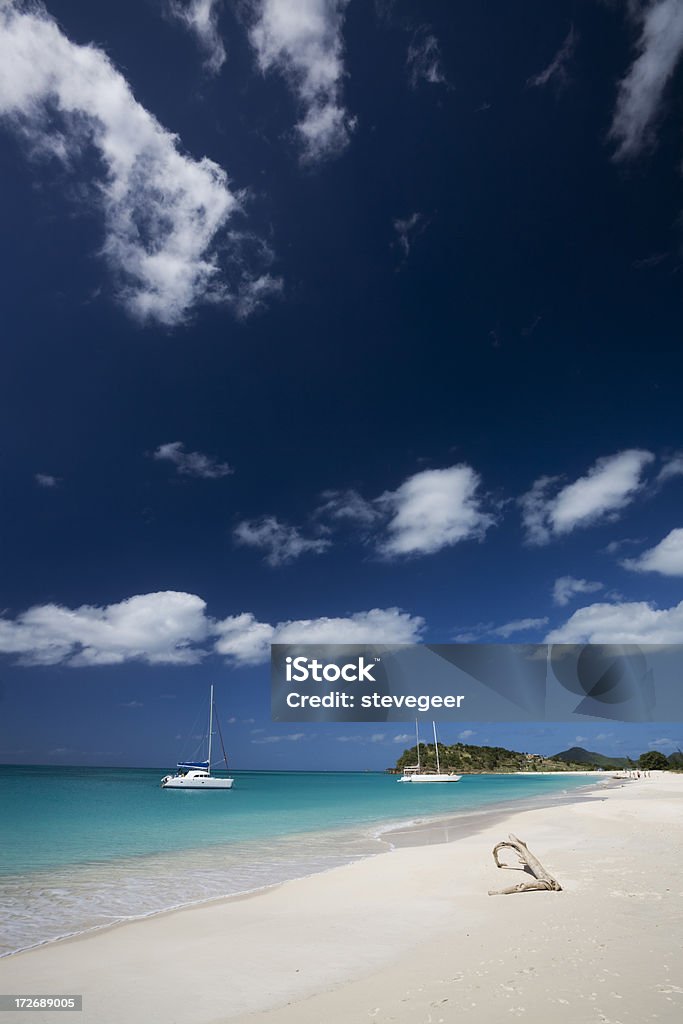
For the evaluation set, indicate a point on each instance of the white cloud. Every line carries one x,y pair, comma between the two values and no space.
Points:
641,91
581,739
161,628
518,626
608,487
634,622
191,463
378,737
132,704
557,71
282,543
466,734
200,17
165,214
347,506
406,230
424,58
672,467
403,737
664,741
665,558
434,509
303,41
171,627
245,641
46,480
566,587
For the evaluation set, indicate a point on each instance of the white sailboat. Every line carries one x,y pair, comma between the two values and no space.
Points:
415,773
197,774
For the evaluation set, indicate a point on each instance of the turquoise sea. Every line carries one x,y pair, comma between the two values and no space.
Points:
84,847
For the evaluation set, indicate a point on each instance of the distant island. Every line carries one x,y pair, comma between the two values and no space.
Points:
466,757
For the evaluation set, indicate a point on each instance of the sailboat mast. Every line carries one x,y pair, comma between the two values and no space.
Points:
210,723
417,744
436,747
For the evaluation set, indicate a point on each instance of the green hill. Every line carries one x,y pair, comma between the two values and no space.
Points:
466,757
577,755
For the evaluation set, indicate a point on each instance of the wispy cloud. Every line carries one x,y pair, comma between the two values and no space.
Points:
424,58
666,558
673,467
518,626
608,487
641,91
628,622
557,72
466,734
567,587
131,704
192,463
46,480
406,230
303,41
165,214
347,506
282,543
200,17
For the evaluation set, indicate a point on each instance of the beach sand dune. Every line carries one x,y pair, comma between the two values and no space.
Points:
412,936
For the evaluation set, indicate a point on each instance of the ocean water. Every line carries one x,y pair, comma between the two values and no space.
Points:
81,848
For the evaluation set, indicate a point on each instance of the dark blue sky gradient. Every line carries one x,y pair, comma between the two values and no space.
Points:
520,336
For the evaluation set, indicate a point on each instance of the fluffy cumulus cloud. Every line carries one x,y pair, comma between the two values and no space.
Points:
609,486
424,58
191,463
628,622
665,558
165,214
303,41
173,628
243,640
567,587
200,17
642,90
432,510
557,72
162,628
280,542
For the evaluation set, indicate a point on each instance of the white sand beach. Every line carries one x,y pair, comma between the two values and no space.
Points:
412,936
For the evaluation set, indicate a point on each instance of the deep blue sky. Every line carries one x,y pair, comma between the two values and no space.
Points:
474,273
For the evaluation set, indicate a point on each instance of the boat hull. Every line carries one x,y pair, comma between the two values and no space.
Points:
181,782
430,778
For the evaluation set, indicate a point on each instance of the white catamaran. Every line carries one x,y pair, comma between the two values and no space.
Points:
415,773
197,774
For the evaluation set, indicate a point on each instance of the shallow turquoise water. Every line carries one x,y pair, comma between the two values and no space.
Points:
82,847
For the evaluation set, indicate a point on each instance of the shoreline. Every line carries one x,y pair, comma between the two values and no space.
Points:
387,932
395,834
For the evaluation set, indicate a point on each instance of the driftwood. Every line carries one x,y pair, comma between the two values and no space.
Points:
531,864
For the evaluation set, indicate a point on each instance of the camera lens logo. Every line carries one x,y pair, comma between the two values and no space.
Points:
613,679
